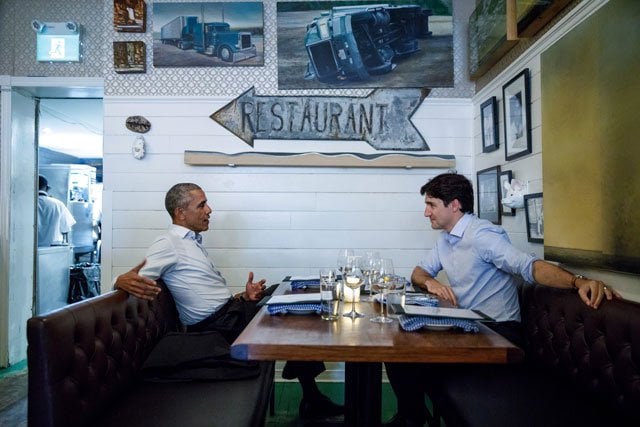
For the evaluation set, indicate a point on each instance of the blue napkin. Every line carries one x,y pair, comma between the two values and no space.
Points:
423,300
413,323
305,284
302,308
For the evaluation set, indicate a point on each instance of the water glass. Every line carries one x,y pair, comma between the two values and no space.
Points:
396,294
329,295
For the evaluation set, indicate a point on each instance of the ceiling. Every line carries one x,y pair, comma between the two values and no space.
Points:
72,126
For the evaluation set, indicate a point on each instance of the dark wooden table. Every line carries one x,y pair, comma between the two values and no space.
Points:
363,346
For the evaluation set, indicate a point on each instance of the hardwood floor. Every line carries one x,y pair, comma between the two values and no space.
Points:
13,397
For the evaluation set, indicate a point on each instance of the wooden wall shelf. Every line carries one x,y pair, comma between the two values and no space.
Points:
311,159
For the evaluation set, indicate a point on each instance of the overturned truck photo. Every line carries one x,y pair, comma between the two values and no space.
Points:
356,42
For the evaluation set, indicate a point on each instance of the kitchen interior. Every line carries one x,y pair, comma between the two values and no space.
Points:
70,158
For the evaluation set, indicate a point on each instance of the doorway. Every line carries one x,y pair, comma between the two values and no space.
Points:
69,160
18,189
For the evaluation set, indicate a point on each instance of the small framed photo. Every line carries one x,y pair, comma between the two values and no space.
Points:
130,16
489,194
535,217
129,57
516,100
489,121
505,182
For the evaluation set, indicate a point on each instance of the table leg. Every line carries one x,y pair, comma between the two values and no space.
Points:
363,394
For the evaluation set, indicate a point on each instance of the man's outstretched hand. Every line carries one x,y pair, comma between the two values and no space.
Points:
137,285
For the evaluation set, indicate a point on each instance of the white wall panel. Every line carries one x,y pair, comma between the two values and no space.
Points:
271,220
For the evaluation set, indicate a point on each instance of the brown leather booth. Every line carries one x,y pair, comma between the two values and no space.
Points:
582,368
84,364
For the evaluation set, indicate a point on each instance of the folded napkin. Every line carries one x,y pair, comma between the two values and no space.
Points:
413,323
423,300
302,308
305,284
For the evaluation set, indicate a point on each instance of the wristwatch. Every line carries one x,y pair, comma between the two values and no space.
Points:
576,277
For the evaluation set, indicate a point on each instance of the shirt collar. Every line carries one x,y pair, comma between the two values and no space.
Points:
185,233
458,230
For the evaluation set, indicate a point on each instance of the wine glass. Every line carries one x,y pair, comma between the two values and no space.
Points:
367,266
343,257
384,280
353,278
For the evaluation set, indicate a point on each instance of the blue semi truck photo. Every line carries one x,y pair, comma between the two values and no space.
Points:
209,38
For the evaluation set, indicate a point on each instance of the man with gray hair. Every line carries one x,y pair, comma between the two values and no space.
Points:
201,293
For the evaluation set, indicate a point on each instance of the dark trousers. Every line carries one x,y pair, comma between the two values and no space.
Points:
231,319
411,381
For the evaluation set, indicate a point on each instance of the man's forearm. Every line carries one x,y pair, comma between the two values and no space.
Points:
549,274
419,278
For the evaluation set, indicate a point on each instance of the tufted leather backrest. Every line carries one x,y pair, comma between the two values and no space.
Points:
597,350
83,356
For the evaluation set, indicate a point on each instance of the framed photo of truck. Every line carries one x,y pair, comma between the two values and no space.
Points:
208,34
130,16
349,44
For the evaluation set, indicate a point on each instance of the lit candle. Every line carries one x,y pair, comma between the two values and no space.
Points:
351,295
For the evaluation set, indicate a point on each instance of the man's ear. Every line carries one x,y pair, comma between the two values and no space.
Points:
177,213
455,205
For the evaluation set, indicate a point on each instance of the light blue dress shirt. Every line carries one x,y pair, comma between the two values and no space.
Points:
481,264
196,285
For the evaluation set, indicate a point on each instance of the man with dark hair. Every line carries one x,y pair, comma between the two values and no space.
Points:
203,299
482,268
54,219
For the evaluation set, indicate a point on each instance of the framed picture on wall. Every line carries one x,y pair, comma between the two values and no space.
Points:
535,217
505,182
130,16
129,57
208,34
489,194
489,121
516,100
364,44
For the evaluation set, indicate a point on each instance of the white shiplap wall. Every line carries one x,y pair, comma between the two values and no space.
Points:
273,221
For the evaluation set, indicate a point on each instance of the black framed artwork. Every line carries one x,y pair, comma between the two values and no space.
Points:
489,194
516,102
489,122
534,211
505,182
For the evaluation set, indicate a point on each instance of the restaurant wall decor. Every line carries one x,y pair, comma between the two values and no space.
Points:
534,212
382,119
220,34
516,103
130,16
489,120
129,57
396,44
488,181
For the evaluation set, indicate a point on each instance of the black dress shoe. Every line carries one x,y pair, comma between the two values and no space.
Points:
319,408
400,421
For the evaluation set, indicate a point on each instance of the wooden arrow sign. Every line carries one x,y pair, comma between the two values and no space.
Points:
382,119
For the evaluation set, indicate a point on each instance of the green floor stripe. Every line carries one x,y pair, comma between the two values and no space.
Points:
288,395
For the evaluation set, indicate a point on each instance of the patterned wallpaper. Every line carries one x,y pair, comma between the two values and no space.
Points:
18,58
95,16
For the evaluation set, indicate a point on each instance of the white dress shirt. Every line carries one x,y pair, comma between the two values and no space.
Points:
54,219
196,285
